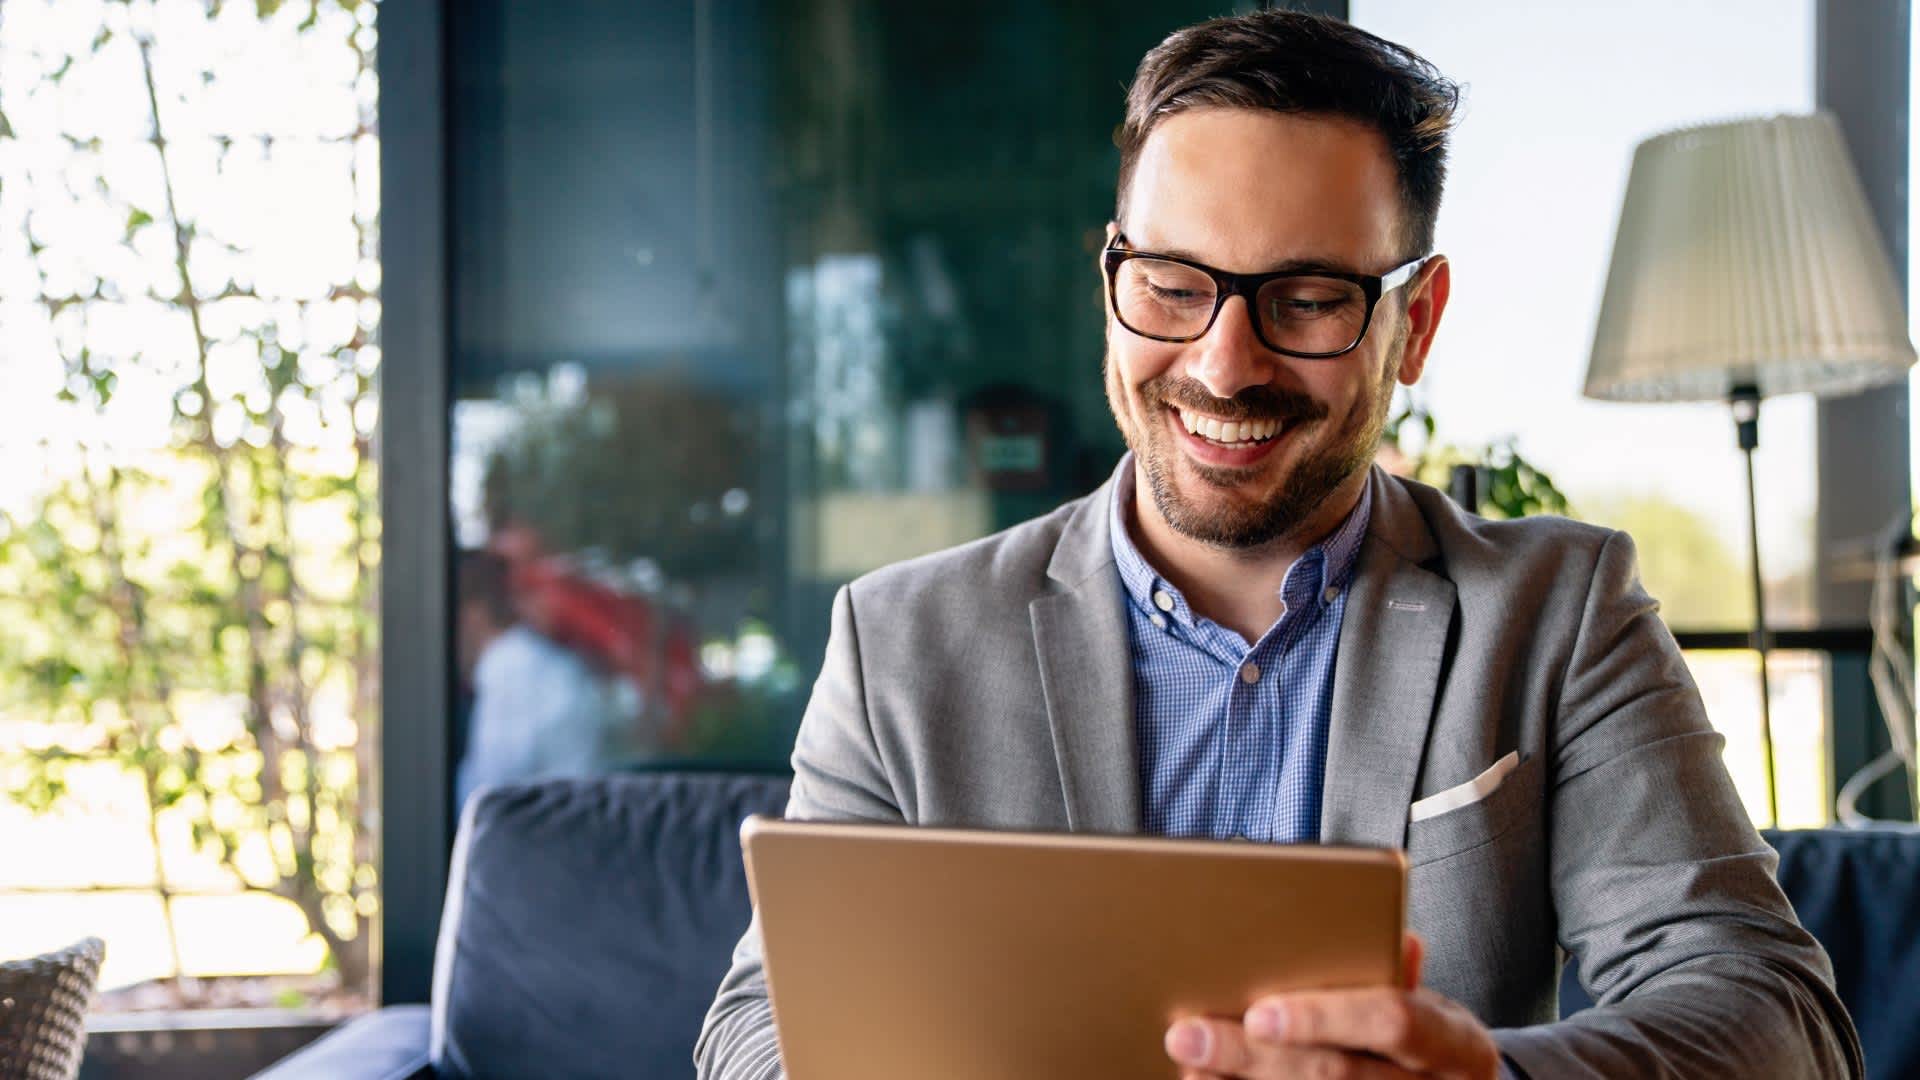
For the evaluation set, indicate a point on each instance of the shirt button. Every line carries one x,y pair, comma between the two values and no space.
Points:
1162,601
1249,673
1159,620
1332,593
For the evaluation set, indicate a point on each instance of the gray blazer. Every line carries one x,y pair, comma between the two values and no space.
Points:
990,685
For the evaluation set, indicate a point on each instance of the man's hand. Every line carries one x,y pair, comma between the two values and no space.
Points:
1393,1032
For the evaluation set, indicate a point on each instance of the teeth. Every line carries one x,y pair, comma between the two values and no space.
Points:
1227,431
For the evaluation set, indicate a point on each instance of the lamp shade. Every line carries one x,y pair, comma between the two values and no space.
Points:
1746,256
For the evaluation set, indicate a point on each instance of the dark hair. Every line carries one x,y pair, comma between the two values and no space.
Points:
485,579
1291,62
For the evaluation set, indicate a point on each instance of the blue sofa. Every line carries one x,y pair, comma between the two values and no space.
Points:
589,921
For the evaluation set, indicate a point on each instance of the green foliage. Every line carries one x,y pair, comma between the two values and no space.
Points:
200,617
1510,485
1516,488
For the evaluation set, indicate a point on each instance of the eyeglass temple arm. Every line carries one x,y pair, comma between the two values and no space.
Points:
1402,274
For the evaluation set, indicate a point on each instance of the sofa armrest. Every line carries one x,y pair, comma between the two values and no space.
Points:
389,1044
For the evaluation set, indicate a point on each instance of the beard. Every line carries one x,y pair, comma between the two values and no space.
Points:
1212,509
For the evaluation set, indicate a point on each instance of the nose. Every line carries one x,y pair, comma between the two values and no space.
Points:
1230,357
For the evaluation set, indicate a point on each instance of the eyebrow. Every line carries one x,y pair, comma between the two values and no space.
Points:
1306,263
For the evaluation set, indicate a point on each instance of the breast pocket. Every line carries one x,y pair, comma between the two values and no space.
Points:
1515,800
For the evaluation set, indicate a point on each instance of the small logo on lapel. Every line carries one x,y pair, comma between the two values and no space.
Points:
1406,605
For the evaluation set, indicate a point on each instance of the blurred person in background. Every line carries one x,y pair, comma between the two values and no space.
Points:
538,709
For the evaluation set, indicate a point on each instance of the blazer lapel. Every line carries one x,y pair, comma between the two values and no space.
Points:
1086,673
1393,642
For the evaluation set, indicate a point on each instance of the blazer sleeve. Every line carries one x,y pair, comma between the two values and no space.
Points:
837,775
1664,892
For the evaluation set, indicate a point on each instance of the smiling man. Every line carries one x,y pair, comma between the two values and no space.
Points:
1251,632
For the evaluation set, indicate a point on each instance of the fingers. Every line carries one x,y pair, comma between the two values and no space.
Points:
1420,1031
1331,1066
1413,952
1216,1045
1221,1050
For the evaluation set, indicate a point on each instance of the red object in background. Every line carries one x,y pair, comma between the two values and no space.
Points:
619,632
617,629
681,679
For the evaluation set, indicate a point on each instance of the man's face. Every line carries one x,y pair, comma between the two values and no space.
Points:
1247,191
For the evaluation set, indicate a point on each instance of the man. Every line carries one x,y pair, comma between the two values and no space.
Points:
538,709
1250,632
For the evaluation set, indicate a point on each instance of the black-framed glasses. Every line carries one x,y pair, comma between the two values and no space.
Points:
1312,314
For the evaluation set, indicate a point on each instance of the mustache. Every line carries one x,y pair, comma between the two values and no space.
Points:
1253,403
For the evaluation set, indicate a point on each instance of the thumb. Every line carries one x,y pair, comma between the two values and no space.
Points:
1413,952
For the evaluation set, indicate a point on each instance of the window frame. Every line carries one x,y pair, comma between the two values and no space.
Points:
416,700
1864,472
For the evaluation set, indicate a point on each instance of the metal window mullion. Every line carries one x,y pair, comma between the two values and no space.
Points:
414,781
1863,458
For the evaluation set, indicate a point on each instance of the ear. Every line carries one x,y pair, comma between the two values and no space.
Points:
1427,297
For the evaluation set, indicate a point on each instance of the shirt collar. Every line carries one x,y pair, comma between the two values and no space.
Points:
1334,557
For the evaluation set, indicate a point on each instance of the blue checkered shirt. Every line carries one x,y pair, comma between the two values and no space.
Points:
1233,739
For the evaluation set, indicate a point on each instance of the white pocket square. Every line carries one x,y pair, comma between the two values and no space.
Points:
1465,794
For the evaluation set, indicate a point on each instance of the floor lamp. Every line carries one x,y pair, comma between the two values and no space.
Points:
1747,265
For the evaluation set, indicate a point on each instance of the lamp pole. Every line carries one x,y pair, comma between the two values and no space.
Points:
1745,400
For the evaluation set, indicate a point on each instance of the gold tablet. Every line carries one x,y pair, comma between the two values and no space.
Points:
897,953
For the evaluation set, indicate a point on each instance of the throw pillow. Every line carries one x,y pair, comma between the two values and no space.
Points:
43,1007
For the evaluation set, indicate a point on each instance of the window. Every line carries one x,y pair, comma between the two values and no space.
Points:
1538,172
189,527
749,300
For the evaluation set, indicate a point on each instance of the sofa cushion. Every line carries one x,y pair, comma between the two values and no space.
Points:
1858,891
386,1044
588,923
